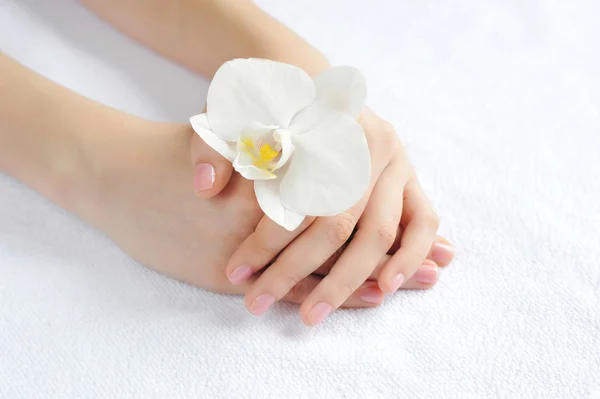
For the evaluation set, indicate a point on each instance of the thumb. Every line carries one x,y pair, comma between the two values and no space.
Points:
211,170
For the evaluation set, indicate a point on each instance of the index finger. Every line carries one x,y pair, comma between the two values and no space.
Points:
260,248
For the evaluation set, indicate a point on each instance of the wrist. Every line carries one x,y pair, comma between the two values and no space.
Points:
307,58
103,145
38,139
274,41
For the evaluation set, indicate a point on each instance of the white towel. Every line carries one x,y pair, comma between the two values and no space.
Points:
498,104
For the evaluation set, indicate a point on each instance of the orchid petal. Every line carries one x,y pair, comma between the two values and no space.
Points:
202,128
342,88
283,137
256,131
248,90
330,170
306,120
267,194
244,165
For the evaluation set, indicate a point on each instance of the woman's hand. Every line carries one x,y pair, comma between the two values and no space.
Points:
371,228
143,201
130,178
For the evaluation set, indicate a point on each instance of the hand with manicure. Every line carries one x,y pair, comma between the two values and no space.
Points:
388,236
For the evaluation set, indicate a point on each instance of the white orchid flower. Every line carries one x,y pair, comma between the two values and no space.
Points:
296,137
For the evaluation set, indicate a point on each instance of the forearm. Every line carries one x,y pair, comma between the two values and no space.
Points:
203,34
45,132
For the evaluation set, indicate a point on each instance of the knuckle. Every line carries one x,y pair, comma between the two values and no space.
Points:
340,287
268,252
347,290
386,235
264,247
340,229
383,236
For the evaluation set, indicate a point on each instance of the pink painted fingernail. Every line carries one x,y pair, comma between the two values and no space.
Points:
441,253
204,177
319,313
427,274
261,304
240,274
397,281
371,295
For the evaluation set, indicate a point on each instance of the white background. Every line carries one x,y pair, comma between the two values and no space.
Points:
498,104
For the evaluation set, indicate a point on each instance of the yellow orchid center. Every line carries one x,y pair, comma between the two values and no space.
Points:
262,157
267,154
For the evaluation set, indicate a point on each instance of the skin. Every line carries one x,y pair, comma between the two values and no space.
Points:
201,35
394,199
130,178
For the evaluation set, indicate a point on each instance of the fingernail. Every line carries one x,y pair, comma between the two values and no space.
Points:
442,253
371,295
427,274
204,177
397,282
261,304
240,274
319,313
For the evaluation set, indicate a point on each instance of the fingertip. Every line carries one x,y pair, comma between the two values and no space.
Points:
305,319
261,304
205,177
442,252
307,307
427,275
240,274
249,300
371,296
304,309
424,278
389,282
210,180
383,285
429,262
